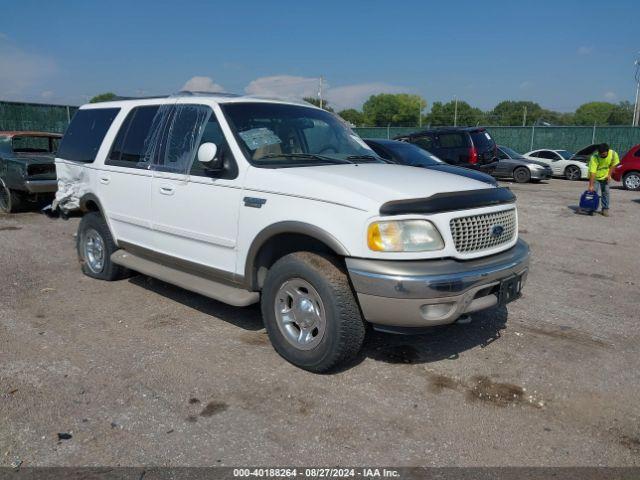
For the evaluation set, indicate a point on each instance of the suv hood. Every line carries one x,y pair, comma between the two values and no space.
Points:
363,186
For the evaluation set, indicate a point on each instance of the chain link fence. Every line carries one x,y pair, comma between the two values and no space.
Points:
35,116
525,139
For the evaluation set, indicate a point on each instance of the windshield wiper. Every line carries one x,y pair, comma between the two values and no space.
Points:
310,156
363,157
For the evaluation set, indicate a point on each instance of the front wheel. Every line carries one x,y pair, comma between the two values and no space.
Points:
572,173
522,175
310,312
10,200
95,246
631,181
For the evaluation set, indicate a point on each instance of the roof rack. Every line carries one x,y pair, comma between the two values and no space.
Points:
187,93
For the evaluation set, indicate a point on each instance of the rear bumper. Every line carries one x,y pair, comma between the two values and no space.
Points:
432,292
41,186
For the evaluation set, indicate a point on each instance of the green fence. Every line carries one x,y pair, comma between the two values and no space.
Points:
35,116
524,139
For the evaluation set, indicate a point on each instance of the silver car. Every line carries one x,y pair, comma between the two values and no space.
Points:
513,165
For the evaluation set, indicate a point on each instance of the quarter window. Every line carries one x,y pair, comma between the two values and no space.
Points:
85,134
452,140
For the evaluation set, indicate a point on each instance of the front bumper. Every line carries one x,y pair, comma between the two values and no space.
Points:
41,186
541,174
432,292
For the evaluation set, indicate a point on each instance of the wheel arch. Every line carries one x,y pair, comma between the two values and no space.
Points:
89,202
279,239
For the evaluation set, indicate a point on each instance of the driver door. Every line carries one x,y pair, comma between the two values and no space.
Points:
195,212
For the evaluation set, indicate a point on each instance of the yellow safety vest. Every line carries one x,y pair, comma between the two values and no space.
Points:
601,166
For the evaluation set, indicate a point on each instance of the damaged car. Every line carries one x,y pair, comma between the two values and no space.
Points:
27,168
258,201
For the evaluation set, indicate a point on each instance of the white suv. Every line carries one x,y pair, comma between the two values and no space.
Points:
250,200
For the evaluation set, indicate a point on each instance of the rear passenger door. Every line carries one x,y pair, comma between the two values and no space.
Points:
124,185
195,211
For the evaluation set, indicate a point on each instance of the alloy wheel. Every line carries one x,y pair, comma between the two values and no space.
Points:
632,181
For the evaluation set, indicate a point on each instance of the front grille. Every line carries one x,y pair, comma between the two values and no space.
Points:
482,232
41,169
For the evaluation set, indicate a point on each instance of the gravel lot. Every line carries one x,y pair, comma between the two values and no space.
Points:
139,372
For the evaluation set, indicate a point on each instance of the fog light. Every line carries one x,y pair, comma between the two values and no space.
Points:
436,311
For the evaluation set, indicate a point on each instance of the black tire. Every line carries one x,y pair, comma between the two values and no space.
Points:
631,181
572,173
10,200
522,175
94,222
344,329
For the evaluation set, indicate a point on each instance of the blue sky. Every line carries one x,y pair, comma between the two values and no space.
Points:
558,53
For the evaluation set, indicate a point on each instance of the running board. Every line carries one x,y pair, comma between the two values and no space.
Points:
237,297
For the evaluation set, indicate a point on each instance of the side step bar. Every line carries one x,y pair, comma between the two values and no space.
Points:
237,297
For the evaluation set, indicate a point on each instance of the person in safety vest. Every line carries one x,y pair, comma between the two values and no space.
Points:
601,165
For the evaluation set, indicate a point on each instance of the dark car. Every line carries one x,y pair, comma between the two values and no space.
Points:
470,147
512,164
408,154
27,168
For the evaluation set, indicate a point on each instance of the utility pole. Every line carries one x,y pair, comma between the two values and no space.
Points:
455,111
320,91
524,117
636,108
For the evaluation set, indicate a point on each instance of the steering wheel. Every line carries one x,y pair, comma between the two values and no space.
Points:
326,148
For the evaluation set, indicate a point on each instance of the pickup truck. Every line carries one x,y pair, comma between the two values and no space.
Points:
249,200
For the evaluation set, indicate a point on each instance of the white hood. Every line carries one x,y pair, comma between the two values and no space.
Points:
364,186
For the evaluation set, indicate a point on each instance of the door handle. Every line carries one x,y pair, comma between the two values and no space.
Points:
166,190
105,180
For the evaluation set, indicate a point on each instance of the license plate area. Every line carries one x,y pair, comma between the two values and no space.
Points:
510,289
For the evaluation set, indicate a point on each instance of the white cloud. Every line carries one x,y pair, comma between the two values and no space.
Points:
202,84
47,94
284,86
526,85
346,96
584,50
610,95
20,70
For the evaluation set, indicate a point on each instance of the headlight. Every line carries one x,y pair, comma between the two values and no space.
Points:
404,236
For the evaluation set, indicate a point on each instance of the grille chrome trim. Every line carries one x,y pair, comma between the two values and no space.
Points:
474,233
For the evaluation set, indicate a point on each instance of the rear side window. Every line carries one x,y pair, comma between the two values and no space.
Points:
133,139
425,143
452,140
85,134
637,154
482,141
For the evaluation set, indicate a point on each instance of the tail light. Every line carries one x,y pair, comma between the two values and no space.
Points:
473,156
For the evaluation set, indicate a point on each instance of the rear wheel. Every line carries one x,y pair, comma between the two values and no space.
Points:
572,173
631,181
522,175
310,312
95,246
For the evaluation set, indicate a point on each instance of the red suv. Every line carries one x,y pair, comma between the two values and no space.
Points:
628,170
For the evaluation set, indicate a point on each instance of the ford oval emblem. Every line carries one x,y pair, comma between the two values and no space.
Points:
497,230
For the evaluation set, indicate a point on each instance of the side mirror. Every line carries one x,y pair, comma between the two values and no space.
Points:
207,155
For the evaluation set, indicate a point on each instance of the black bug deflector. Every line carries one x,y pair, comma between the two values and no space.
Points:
450,201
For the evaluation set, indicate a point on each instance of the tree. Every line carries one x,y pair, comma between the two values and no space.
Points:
510,112
352,116
104,97
622,114
594,113
393,109
316,102
445,114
